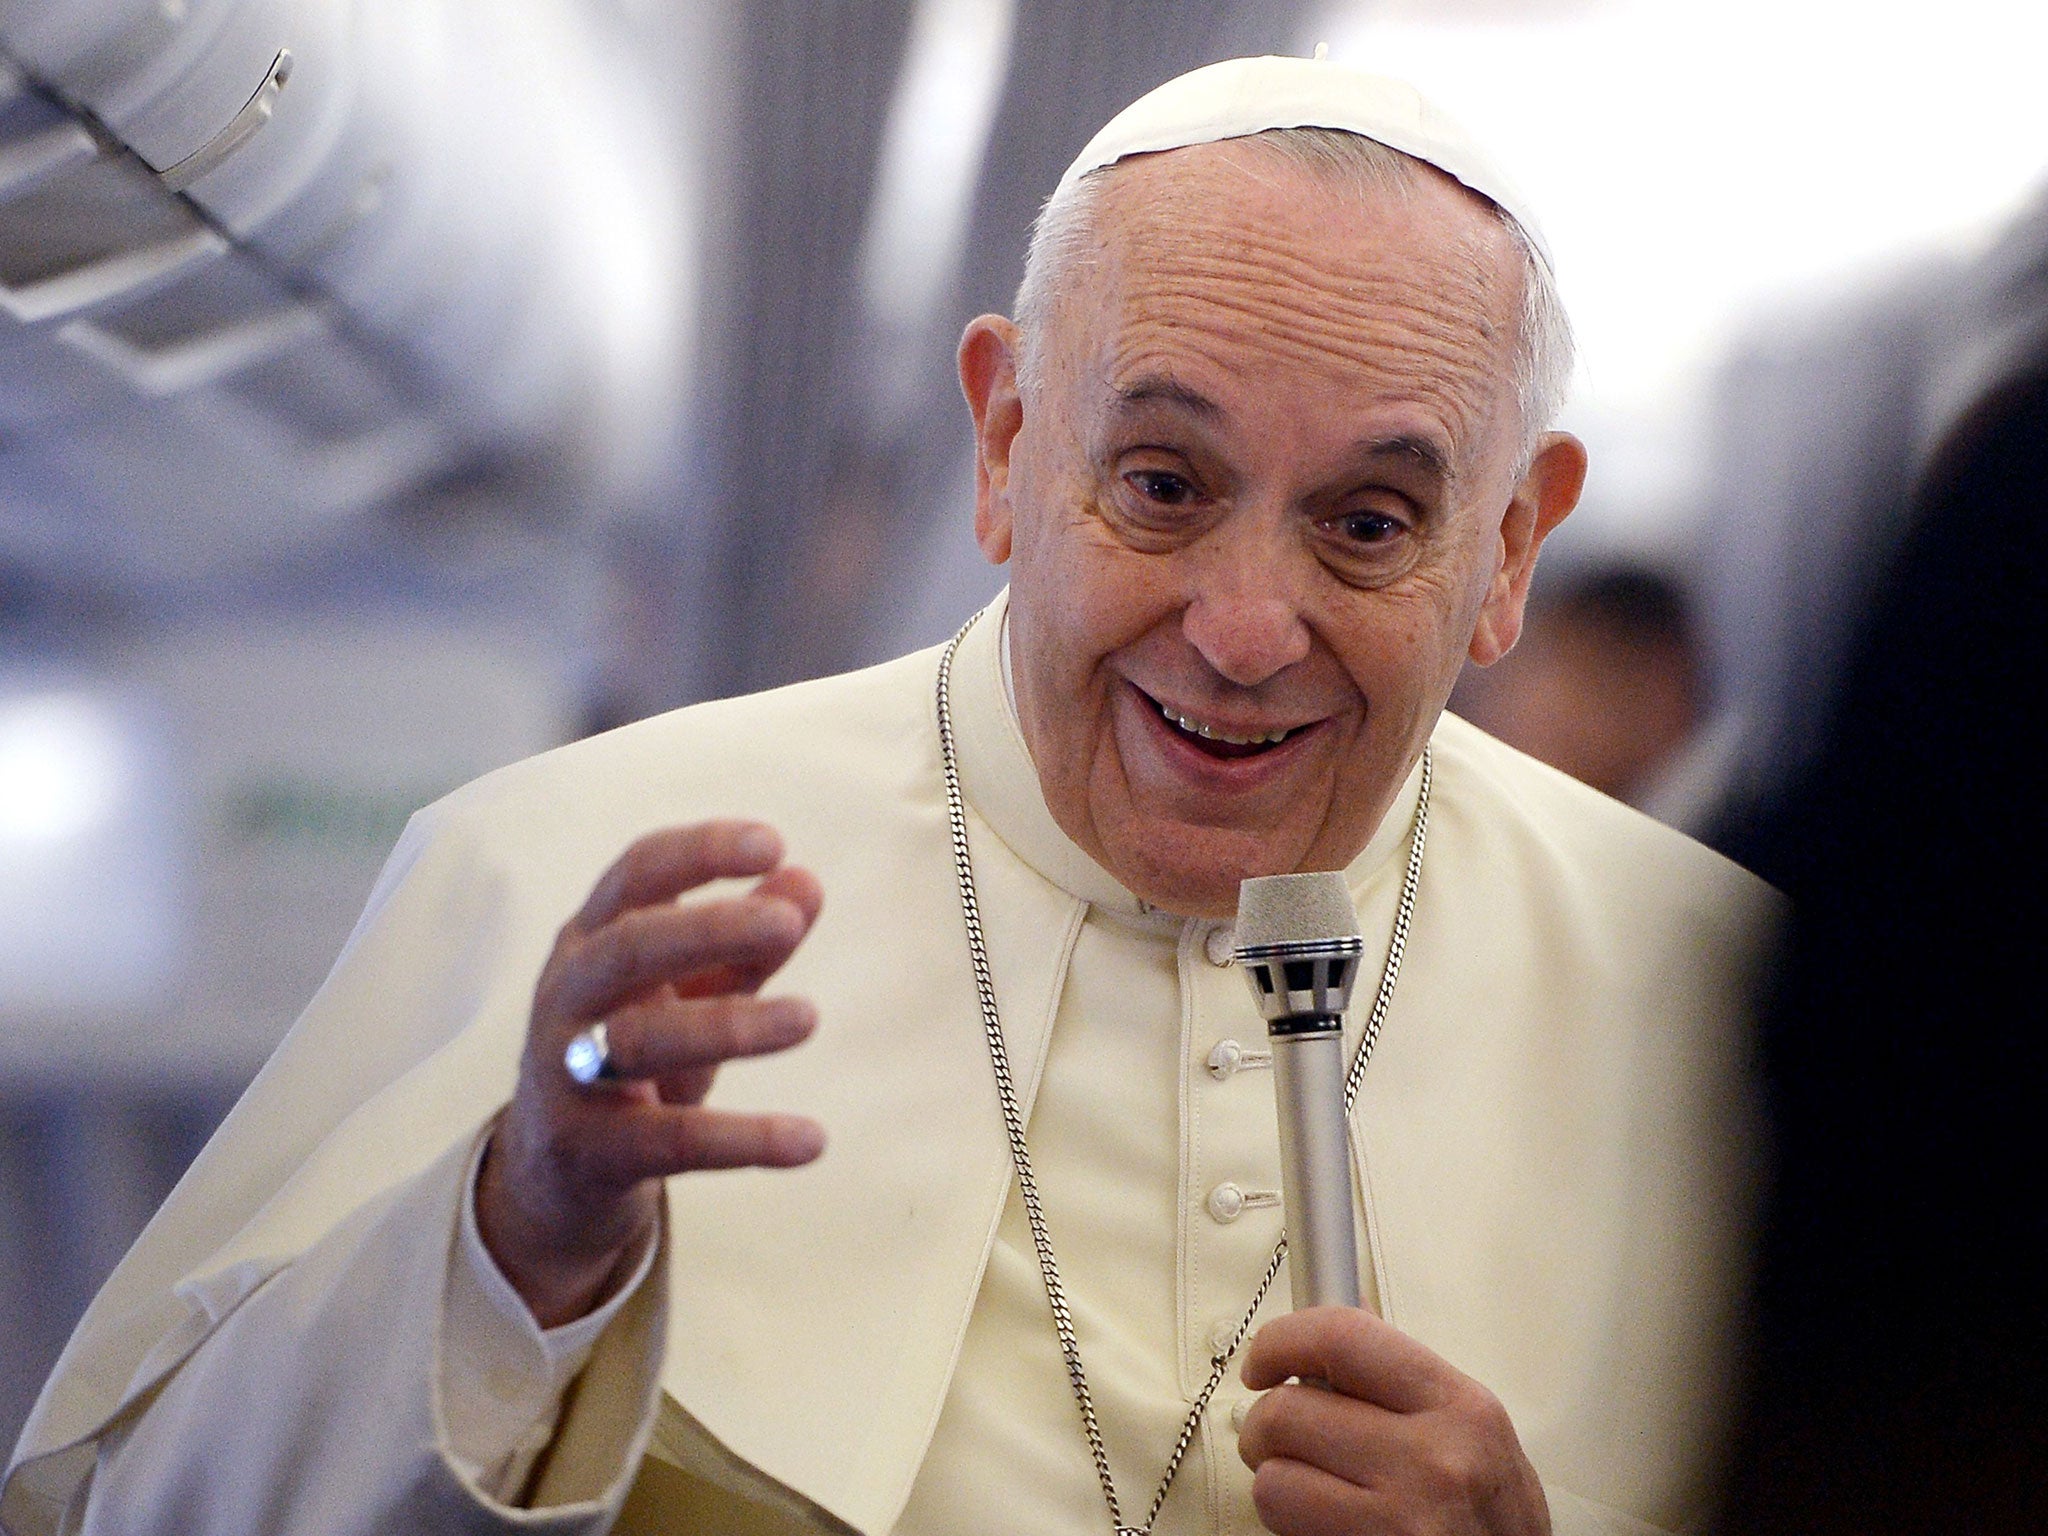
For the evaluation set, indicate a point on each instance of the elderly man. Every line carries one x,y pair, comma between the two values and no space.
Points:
1265,452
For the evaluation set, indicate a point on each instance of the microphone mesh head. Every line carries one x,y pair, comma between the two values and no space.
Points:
1294,909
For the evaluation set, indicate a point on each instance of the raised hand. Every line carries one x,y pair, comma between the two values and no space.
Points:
571,1180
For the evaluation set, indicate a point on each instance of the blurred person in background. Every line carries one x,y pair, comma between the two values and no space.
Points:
1606,684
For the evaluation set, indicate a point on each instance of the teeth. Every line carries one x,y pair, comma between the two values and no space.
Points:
1208,733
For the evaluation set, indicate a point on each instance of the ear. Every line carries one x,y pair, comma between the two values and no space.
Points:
988,377
1547,492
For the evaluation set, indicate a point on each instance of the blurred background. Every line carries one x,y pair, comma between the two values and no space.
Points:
393,388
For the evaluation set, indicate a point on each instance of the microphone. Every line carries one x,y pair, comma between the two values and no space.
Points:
1298,941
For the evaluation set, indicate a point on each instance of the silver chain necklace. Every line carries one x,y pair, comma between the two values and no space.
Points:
1013,1118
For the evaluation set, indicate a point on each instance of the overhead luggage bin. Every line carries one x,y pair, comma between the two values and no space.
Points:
82,224
329,251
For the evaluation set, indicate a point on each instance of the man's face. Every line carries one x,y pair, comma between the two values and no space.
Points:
1258,510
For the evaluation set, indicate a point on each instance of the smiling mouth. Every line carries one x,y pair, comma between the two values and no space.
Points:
1217,742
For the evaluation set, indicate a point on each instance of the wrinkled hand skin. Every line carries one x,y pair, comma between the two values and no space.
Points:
1399,1442
570,1187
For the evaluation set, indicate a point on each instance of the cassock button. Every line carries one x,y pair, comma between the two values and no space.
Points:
1226,1202
1220,945
1238,1410
1220,1335
1225,1059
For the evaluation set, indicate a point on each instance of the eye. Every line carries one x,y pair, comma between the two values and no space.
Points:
1370,527
1161,486
1371,545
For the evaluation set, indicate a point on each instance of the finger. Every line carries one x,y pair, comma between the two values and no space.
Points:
662,865
663,1140
1355,1353
670,1035
690,1086
1358,1441
652,946
1295,1499
797,886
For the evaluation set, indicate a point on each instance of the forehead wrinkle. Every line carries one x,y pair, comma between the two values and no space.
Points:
1398,344
1461,295
1475,266
1171,238
1371,325
1182,220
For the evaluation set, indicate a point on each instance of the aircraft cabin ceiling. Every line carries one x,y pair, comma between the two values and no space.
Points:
269,265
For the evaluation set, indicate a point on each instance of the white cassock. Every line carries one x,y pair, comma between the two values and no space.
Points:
1552,1149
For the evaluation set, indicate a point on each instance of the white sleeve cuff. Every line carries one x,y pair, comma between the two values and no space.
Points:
502,1375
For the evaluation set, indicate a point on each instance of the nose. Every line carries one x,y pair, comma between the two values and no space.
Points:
1244,611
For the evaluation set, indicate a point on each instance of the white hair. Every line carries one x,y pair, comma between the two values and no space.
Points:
1062,236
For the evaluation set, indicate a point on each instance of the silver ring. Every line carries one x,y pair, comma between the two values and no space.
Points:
588,1056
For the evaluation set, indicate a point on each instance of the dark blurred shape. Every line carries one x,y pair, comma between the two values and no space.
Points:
1813,435
1604,683
1901,1324
44,616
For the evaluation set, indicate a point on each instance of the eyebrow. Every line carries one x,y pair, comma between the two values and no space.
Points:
1424,451
1154,388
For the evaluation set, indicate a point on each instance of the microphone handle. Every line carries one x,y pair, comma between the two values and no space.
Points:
1315,1160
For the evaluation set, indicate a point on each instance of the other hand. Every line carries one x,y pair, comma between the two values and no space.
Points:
571,1179
1398,1441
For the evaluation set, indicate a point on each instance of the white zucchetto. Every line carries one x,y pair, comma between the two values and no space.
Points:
1239,97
